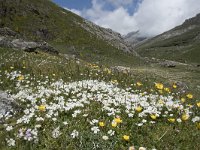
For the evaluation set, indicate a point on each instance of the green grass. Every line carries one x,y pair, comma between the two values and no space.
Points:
183,48
162,135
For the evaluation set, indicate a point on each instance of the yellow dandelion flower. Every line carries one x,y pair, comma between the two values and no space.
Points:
21,77
159,86
190,96
167,90
198,125
172,120
198,104
174,86
118,120
114,81
42,107
185,117
183,100
154,117
114,124
101,124
138,109
139,84
126,137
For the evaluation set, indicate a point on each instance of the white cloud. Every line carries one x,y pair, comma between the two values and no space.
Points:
152,17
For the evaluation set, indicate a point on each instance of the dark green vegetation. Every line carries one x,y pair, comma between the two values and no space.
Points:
179,44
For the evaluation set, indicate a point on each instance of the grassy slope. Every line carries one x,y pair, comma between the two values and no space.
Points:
183,48
61,29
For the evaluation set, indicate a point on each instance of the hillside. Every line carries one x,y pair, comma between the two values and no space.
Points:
179,44
43,20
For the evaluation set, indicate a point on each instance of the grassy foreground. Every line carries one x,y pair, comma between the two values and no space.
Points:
71,104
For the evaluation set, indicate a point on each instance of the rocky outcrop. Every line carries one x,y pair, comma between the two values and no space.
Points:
8,39
108,35
121,69
6,103
134,38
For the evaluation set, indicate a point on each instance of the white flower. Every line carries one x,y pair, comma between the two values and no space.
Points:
142,148
39,119
10,142
9,128
140,124
195,119
105,137
37,126
130,115
111,132
95,129
179,120
74,134
56,133
94,121
65,123
54,119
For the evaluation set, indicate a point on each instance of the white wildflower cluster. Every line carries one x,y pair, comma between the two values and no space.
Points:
48,104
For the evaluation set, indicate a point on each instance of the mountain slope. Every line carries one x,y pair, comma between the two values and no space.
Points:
180,44
43,20
134,38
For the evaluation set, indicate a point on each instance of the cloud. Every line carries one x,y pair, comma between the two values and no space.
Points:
151,17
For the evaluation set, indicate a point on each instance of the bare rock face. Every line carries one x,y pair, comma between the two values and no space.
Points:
6,103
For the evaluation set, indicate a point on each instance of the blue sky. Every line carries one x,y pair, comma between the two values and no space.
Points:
74,4
150,17
86,4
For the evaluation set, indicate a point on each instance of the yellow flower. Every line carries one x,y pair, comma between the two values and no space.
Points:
42,107
101,124
190,96
114,124
126,137
160,91
118,120
167,90
183,100
185,117
139,84
198,125
172,120
114,81
161,101
21,77
11,67
198,104
159,86
54,75
138,109
174,86
154,117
